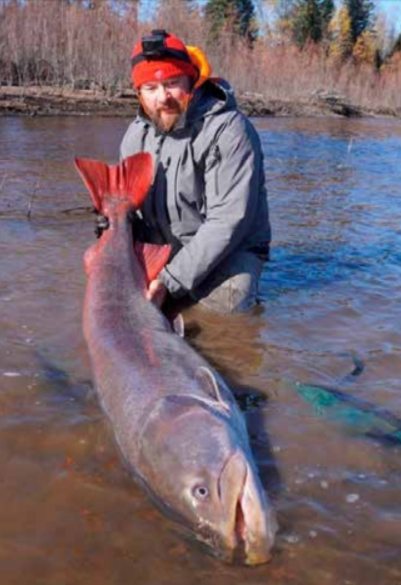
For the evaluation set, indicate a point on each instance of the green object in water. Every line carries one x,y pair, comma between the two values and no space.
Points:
362,416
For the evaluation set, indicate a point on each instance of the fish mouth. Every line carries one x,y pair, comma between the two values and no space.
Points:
248,529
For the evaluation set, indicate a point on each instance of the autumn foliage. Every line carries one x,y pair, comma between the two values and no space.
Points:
87,45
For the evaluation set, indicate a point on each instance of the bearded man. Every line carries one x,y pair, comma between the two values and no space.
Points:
208,198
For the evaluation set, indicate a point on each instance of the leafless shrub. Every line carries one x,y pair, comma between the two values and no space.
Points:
67,44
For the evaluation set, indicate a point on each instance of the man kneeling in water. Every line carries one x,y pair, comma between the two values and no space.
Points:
208,198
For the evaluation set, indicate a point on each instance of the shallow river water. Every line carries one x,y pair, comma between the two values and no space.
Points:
70,514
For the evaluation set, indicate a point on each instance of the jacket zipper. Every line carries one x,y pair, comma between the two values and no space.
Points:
217,157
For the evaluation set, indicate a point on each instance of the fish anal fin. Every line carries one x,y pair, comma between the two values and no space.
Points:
152,258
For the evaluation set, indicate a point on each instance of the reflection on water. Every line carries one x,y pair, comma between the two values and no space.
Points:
71,514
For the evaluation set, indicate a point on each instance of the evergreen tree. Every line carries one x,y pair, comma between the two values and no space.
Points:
327,8
310,20
361,14
237,15
246,18
307,22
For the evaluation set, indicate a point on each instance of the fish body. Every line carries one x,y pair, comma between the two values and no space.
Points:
176,422
358,414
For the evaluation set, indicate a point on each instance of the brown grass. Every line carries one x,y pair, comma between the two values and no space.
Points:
66,45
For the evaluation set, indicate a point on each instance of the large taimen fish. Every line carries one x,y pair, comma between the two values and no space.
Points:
175,421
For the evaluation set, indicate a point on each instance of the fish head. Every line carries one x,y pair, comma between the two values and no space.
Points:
201,470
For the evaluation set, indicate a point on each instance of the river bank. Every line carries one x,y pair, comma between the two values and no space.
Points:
51,101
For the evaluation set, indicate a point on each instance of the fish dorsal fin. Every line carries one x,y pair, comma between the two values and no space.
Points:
179,325
130,180
152,258
211,385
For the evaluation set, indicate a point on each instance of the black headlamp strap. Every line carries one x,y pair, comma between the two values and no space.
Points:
162,54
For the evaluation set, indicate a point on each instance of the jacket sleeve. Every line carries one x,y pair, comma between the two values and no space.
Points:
232,186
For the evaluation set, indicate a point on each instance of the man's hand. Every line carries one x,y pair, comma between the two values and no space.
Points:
101,224
156,293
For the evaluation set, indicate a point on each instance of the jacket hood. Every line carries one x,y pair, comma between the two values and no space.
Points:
212,97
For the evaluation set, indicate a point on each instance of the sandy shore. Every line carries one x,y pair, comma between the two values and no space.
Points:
49,101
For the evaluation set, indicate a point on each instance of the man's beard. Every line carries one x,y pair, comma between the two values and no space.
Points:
167,117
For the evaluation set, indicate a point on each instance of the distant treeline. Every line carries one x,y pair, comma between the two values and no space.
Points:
304,49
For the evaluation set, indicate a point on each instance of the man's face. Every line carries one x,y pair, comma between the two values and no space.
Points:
165,101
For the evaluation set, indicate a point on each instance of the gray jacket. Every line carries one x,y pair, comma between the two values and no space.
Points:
208,197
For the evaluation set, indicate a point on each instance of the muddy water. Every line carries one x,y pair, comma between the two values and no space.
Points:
70,514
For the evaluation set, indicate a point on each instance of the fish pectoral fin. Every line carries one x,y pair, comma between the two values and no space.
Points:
152,258
209,382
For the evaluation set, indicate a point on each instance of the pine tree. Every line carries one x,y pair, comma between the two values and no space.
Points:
307,22
310,20
361,14
247,19
327,8
237,15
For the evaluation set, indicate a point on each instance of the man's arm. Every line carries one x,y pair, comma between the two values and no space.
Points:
232,190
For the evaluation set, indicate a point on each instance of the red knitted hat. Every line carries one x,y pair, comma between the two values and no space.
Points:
160,56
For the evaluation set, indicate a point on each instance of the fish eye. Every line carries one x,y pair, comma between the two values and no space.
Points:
200,492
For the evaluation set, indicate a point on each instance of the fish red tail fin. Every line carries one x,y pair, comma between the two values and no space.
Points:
129,181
